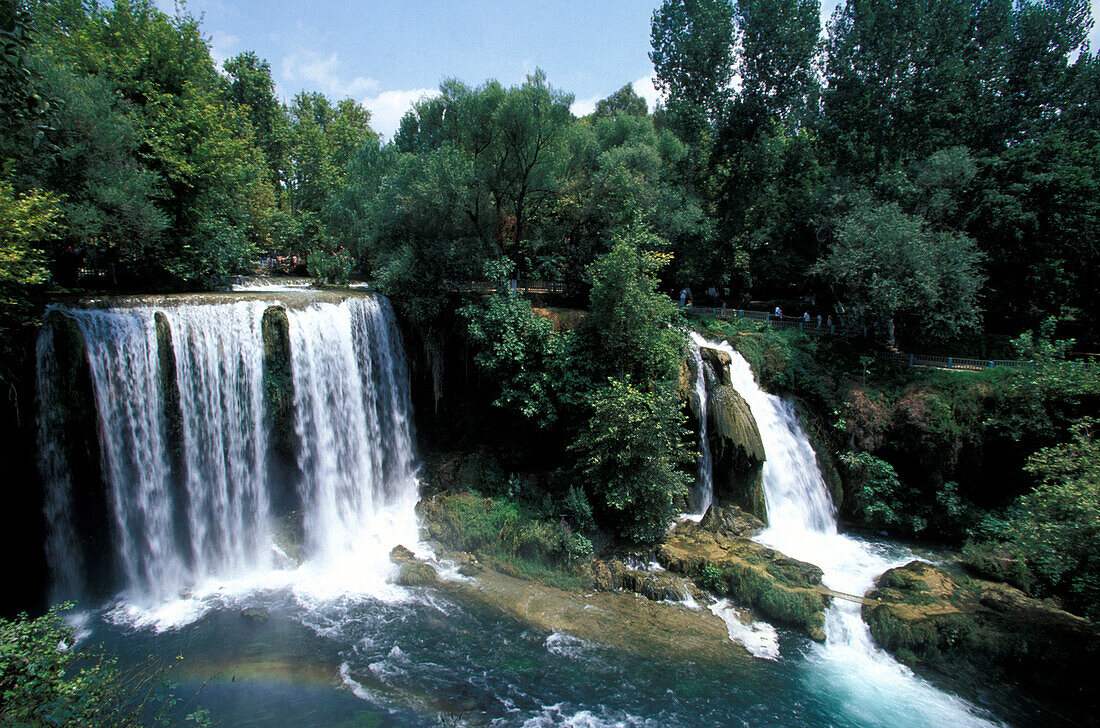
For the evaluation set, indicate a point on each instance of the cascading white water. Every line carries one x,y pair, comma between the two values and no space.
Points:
850,668
704,487
352,418
219,373
122,355
190,500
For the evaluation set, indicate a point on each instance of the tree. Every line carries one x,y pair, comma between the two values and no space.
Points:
1055,528
778,47
632,323
624,101
888,263
692,57
516,350
252,87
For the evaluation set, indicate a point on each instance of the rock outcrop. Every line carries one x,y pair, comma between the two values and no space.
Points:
737,450
957,625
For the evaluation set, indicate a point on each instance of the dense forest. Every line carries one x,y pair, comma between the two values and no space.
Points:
929,167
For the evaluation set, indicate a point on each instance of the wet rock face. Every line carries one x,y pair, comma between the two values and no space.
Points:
778,587
954,624
737,451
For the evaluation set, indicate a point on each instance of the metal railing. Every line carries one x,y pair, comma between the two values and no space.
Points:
966,363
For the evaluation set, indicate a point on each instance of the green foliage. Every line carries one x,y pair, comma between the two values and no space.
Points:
576,508
634,456
693,58
876,492
330,264
1056,527
47,682
633,323
516,349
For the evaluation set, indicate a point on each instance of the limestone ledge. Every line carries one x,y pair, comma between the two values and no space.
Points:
718,555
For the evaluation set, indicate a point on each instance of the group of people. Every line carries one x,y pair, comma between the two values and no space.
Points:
778,313
719,305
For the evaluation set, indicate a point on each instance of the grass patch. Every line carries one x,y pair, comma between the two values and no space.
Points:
508,537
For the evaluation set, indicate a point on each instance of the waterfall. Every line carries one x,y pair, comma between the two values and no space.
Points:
849,667
350,389
185,443
703,495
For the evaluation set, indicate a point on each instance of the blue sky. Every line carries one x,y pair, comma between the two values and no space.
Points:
388,54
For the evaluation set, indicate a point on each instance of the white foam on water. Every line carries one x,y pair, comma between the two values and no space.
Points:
558,716
565,645
759,638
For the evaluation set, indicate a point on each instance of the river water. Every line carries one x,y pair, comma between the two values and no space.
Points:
330,641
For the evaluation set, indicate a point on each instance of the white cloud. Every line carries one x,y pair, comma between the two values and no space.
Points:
584,107
387,108
321,72
222,46
645,88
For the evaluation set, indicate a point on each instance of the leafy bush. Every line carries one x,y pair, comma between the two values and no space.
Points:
634,454
45,682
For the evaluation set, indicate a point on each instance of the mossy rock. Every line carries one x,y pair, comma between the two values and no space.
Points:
656,586
731,522
955,625
259,615
778,587
401,555
278,381
416,573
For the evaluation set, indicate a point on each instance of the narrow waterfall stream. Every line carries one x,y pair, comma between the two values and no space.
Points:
703,494
802,524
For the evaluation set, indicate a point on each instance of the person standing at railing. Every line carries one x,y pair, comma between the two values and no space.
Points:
683,297
805,317
819,321
779,313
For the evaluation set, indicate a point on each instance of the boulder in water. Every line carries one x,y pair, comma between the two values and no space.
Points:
416,573
954,624
401,555
657,586
731,522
